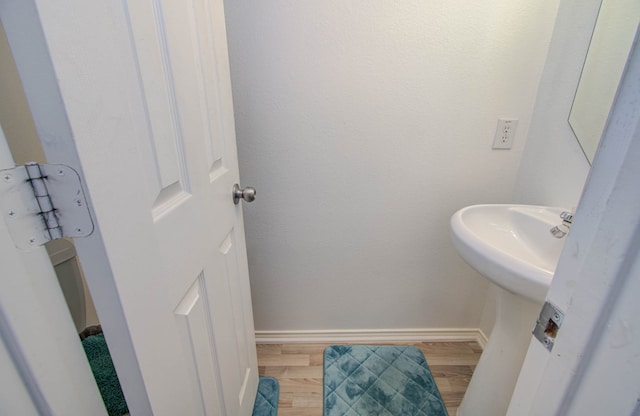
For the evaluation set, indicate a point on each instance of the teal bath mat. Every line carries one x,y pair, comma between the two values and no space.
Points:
105,374
366,380
267,397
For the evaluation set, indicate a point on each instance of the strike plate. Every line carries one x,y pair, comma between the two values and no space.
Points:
548,324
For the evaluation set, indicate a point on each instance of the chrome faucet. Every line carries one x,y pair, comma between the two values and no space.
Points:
561,230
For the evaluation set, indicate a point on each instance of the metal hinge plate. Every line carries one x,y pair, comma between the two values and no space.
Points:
548,324
43,202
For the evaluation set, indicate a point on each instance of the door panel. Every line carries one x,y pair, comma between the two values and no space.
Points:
150,39
194,316
241,329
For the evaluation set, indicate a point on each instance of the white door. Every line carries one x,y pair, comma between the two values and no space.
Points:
136,97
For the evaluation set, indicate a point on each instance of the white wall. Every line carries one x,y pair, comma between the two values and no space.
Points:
554,168
364,125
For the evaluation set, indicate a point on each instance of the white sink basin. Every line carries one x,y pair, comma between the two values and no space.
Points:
510,245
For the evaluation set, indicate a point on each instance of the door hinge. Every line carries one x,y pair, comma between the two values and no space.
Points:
41,203
548,324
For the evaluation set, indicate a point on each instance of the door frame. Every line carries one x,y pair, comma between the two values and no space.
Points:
35,326
26,37
595,274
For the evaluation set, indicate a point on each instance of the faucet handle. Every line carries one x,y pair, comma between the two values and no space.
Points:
567,216
559,231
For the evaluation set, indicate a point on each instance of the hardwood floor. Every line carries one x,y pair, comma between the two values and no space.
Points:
298,368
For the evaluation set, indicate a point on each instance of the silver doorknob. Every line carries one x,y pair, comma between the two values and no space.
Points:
248,194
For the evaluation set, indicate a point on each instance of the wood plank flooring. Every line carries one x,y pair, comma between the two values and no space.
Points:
298,368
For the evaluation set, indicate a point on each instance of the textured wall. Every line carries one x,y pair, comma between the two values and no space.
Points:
553,167
364,125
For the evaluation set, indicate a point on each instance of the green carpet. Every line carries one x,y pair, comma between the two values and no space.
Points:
361,380
95,347
99,358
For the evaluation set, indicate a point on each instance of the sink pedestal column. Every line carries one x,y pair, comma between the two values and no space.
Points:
496,374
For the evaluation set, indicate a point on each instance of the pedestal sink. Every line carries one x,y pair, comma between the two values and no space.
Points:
512,247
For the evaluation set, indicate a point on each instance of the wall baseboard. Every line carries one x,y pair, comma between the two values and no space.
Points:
377,335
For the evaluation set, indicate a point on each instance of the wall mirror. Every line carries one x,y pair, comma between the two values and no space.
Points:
611,42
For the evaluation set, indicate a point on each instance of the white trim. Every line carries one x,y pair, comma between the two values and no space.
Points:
373,335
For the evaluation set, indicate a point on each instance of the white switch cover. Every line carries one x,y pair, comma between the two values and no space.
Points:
505,132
